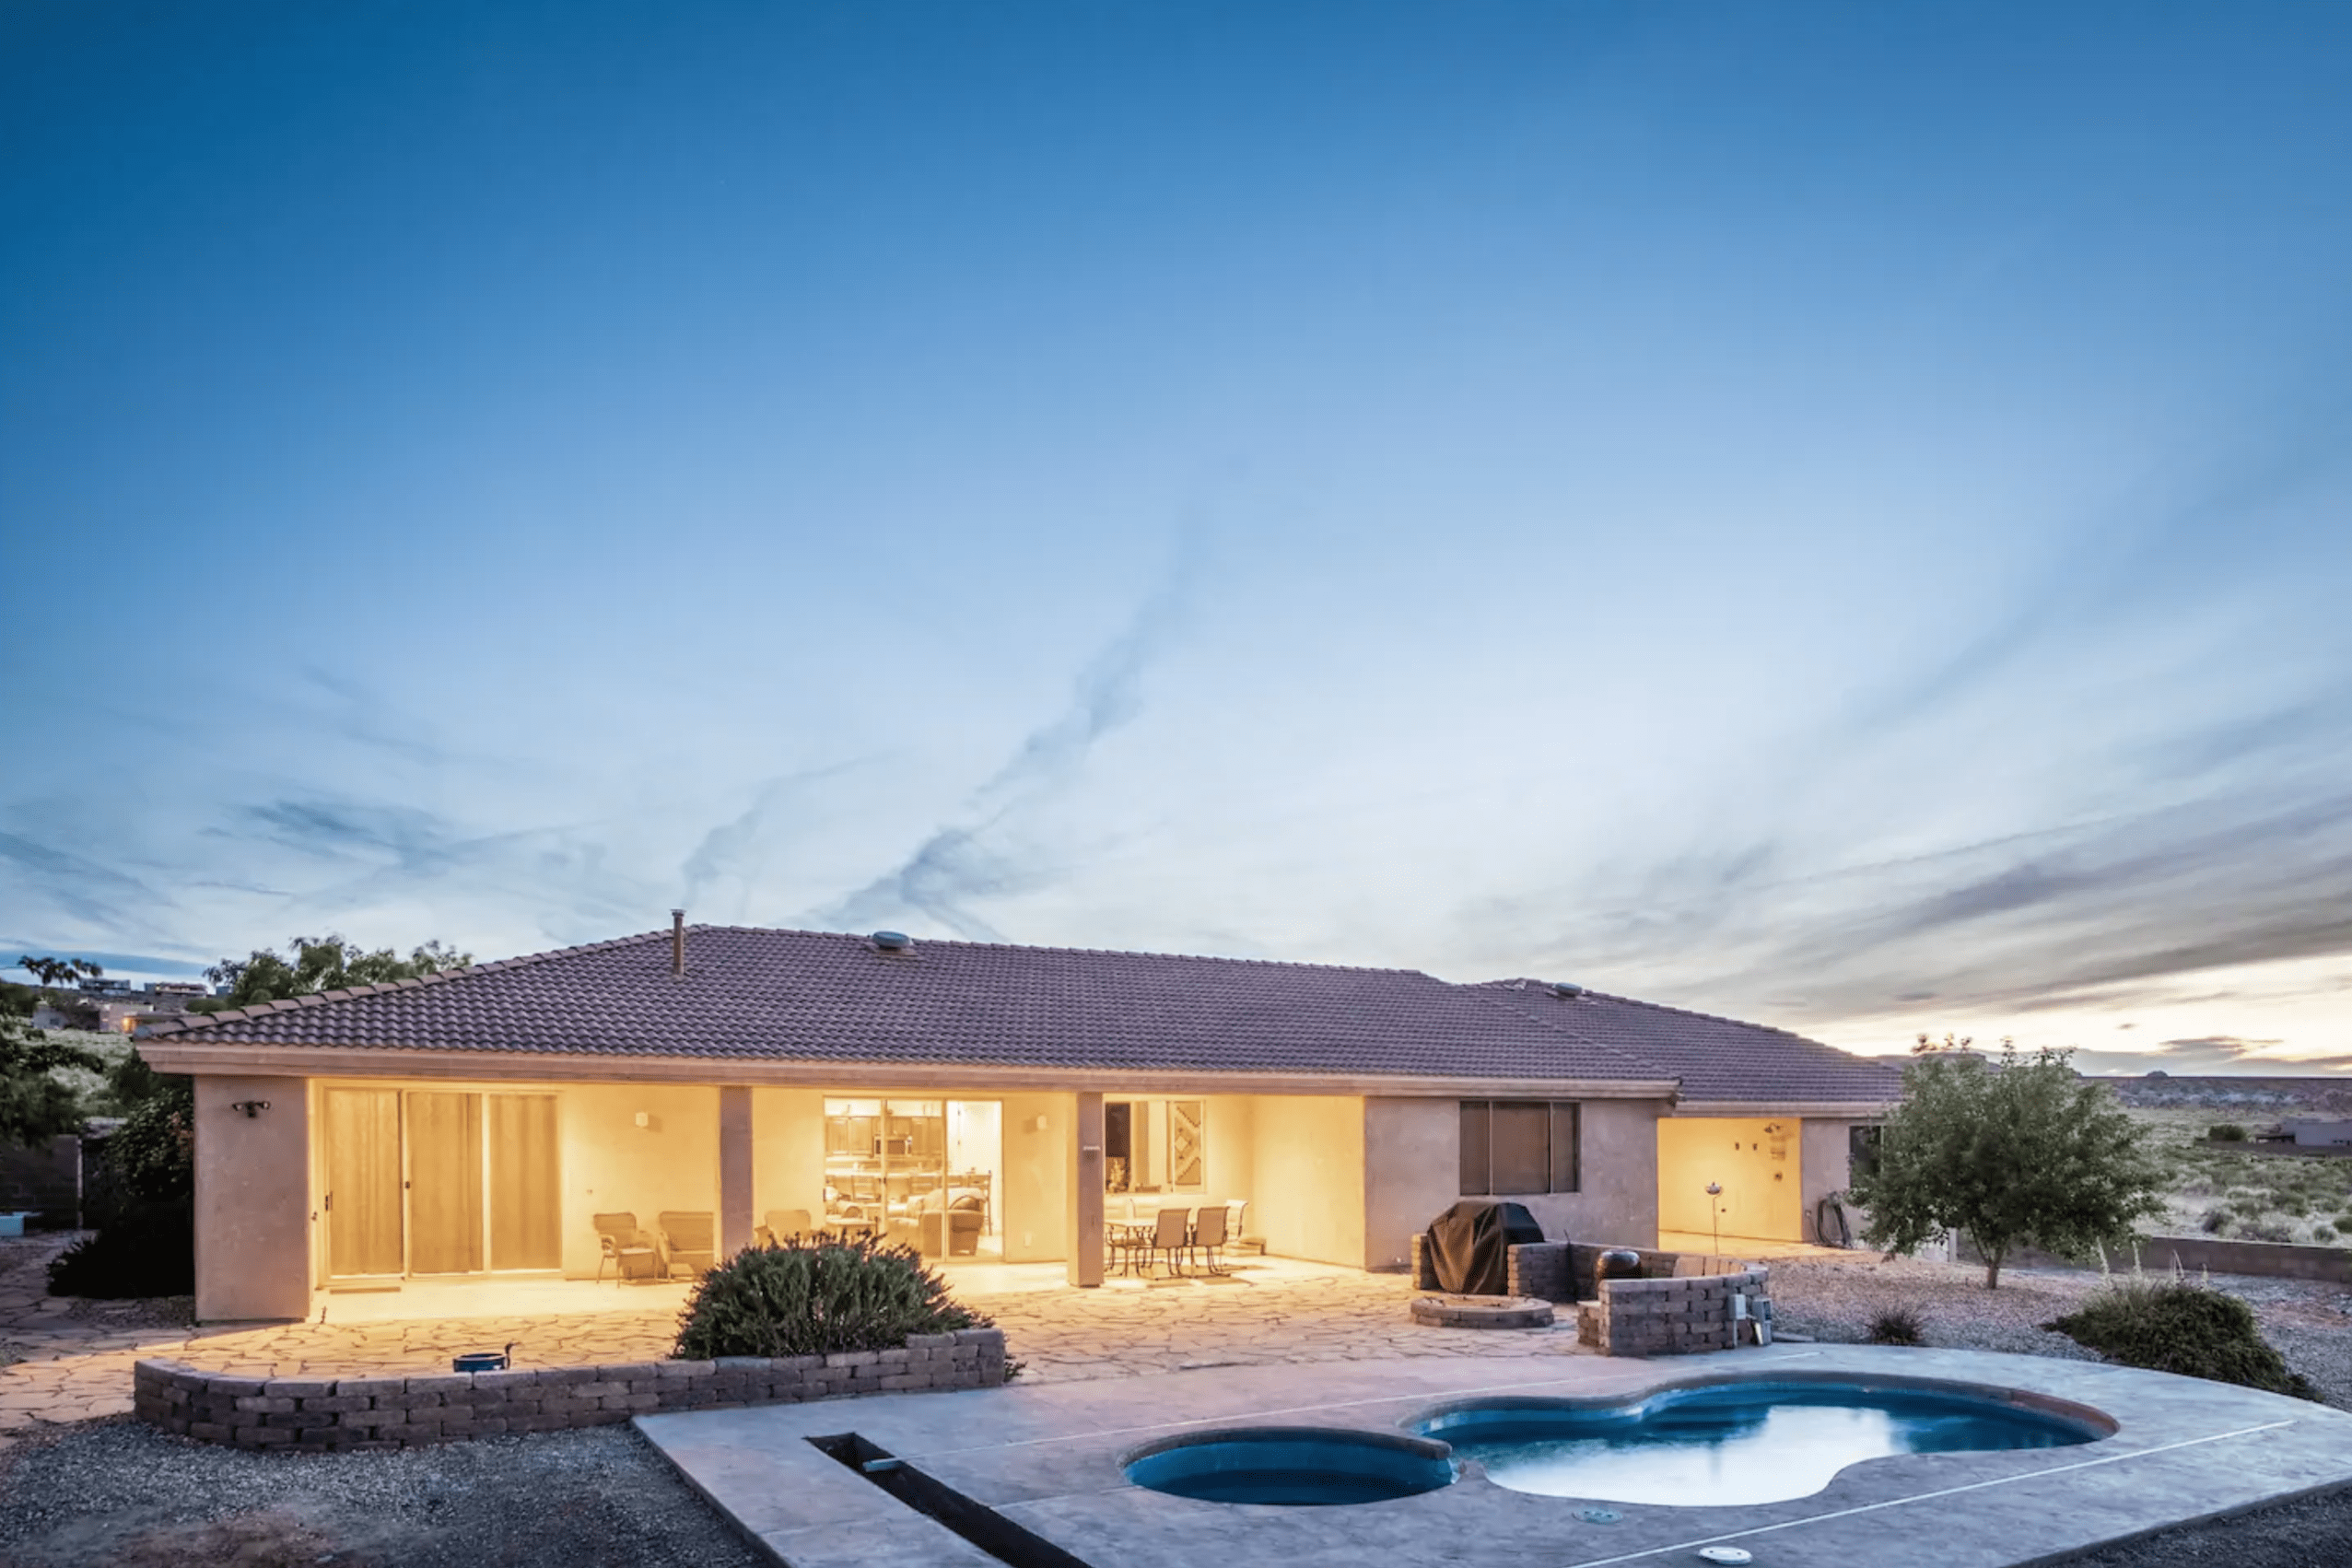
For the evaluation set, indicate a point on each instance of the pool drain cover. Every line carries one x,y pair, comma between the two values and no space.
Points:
1599,1515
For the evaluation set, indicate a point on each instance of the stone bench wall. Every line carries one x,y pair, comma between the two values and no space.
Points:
1672,1317
320,1415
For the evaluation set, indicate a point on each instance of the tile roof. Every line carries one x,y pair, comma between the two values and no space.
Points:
1716,1058
822,996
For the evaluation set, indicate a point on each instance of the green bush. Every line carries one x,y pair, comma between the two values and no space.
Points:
2227,1132
2176,1326
147,1250
812,1298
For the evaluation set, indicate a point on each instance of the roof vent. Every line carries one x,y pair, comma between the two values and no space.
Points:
893,941
1564,989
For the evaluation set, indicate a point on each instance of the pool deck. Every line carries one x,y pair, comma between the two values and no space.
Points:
1048,1458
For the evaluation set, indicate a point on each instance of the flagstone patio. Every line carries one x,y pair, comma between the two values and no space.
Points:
1269,1311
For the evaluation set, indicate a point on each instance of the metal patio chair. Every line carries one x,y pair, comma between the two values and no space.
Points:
1171,1234
1209,1240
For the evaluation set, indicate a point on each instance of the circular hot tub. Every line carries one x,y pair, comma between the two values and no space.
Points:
1295,1467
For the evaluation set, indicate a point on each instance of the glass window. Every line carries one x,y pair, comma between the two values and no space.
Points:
1518,1146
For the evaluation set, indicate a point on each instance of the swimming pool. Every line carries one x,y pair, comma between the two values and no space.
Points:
1736,1442
1296,1467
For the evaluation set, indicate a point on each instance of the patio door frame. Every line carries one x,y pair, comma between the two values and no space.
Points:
485,1169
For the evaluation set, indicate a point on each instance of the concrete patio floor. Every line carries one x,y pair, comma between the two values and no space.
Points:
1048,1458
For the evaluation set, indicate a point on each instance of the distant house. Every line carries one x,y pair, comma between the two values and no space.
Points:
114,1007
472,1126
2317,1132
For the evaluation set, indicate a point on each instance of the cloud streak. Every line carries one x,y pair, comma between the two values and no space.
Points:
990,849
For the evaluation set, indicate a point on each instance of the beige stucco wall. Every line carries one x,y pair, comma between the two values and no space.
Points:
1037,1176
254,1202
1232,1154
788,1151
1758,1162
1308,1158
1827,1155
1617,1195
610,1162
1412,1162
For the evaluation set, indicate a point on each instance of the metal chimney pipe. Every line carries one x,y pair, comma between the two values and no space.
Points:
678,944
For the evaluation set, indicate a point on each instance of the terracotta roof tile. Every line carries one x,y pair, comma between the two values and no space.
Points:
1716,1058
821,995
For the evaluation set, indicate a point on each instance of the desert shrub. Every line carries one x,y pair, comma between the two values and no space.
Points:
2227,1132
812,1298
2322,1234
2264,1230
1896,1325
2172,1325
149,1250
2217,1220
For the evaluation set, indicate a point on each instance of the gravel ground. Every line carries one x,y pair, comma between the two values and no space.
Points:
116,1494
1834,1298
2316,1533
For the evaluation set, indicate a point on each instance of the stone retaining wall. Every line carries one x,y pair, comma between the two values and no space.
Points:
319,1415
1673,1317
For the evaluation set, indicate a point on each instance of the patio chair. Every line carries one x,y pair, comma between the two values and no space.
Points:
1171,1234
628,1248
688,1242
1209,1239
781,1225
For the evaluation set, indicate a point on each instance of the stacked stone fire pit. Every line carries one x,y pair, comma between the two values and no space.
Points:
1680,1304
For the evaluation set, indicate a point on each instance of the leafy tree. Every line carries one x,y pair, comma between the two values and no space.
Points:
59,971
319,964
35,1106
2014,1150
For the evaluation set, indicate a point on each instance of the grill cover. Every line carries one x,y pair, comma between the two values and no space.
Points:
1467,1243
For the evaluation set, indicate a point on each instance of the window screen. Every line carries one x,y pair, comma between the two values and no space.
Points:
1518,1146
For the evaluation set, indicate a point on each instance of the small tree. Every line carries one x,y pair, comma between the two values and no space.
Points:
319,964
2014,1150
35,1103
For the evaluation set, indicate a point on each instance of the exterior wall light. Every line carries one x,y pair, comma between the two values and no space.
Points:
250,1107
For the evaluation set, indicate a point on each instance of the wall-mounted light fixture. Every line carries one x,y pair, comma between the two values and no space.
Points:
644,1118
250,1107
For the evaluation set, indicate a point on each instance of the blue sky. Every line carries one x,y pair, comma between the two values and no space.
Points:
1836,514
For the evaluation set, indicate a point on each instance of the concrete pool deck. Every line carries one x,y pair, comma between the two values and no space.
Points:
1048,1459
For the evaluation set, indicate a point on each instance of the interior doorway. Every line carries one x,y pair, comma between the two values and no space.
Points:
438,1182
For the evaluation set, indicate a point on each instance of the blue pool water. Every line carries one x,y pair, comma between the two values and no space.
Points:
1300,1467
1732,1442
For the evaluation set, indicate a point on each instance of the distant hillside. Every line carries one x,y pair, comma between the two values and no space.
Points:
2282,1096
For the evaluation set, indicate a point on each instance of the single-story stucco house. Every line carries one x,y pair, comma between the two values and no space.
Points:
472,1126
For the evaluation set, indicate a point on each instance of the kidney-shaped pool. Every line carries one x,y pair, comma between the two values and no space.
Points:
1712,1445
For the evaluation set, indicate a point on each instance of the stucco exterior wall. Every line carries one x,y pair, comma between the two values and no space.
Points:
253,1199
1233,1151
1309,1155
1617,1195
1827,1155
611,1164
1756,1161
788,1151
1037,1176
1412,1163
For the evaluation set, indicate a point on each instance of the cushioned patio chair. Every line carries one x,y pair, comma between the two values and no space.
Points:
629,1249
782,1225
688,1242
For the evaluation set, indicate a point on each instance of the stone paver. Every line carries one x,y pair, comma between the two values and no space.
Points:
1269,1312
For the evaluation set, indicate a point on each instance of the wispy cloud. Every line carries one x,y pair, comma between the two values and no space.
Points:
990,849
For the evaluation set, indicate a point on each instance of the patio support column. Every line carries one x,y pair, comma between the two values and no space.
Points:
734,1168
1086,1191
